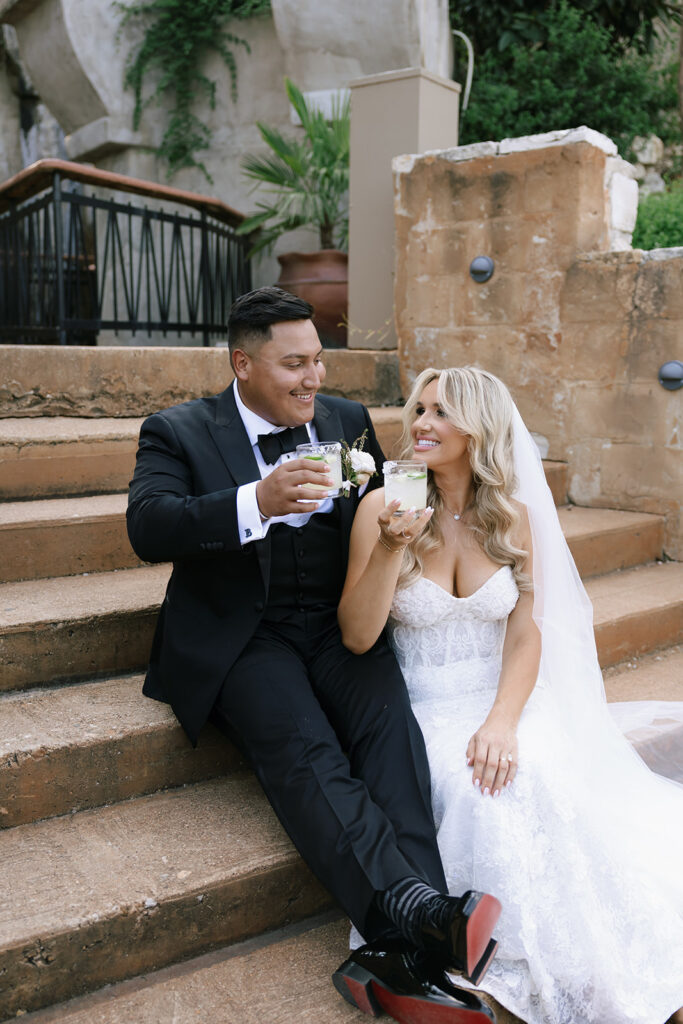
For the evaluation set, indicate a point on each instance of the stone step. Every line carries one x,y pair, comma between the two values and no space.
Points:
95,381
69,748
657,676
87,744
281,978
637,610
74,627
604,540
79,626
66,455
64,536
63,456
556,477
106,894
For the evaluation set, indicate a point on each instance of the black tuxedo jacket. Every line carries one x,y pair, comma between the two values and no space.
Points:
183,508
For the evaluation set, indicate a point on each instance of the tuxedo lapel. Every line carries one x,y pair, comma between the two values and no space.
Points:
327,422
230,437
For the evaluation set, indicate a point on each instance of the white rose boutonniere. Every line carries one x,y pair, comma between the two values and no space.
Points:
357,464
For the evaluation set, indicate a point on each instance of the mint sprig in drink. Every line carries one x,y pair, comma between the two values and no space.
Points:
406,481
330,453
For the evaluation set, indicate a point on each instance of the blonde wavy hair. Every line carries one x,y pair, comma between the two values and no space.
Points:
479,405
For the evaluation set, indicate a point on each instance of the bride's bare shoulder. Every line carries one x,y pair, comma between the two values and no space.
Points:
373,501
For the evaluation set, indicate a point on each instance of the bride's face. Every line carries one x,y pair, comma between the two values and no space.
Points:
435,440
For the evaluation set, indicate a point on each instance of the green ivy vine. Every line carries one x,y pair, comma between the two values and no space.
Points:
177,36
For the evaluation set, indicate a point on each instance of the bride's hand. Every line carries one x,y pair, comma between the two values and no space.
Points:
492,754
397,532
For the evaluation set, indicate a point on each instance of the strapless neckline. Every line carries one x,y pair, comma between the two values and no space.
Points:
467,597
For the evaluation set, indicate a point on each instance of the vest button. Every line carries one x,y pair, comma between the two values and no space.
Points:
302,575
300,530
301,552
258,606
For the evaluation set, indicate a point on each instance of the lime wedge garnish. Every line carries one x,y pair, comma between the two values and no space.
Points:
316,458
416,476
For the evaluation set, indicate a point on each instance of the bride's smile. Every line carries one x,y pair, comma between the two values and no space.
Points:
435,440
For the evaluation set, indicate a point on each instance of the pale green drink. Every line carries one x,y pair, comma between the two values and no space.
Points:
406,481
329,453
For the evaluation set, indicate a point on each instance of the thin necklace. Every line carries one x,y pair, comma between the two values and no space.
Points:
458,515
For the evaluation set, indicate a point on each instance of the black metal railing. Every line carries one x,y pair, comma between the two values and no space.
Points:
76,261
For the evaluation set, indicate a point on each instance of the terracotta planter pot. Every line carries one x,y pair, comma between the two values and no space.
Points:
320,278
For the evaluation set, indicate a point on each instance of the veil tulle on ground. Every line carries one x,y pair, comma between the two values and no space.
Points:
569,664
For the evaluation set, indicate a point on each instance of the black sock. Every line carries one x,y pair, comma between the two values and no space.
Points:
410,904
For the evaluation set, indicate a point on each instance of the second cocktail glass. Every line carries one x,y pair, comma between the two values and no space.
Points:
407,481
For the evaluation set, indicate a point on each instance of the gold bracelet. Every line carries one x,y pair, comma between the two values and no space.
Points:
394,551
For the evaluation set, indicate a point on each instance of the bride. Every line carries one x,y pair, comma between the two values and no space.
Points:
537,797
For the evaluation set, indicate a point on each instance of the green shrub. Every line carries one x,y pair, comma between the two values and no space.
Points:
497,24
660,220
578,77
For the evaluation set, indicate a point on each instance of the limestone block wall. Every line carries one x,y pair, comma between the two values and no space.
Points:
576,329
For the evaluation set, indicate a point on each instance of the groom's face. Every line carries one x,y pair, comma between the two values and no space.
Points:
279,379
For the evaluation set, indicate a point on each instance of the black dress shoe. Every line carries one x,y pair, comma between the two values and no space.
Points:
464,943
408,986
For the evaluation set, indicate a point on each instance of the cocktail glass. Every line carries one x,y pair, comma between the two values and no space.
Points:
407,481
329,452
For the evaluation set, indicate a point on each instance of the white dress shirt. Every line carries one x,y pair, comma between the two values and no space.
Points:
251,527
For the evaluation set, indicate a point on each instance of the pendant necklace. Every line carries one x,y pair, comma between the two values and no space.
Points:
458,515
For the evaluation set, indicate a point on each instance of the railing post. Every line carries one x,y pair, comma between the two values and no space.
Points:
205,279
59,257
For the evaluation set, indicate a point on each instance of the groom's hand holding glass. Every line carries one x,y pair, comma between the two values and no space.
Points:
294,486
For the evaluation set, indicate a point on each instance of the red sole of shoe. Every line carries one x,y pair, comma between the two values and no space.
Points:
481,920
413,1010
371,998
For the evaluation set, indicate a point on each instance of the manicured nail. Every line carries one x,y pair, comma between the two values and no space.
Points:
486,791
496,793
477,782
508,783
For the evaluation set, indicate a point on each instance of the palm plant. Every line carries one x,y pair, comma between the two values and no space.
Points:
308,177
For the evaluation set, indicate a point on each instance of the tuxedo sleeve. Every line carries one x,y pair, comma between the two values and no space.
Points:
166,520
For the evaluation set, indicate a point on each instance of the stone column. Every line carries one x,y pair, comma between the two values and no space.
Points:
408,111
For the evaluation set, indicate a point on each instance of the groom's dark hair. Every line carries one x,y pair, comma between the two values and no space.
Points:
253,314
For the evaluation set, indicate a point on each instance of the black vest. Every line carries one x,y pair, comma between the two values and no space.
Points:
307,567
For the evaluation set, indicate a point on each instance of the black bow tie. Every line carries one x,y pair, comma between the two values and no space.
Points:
274,445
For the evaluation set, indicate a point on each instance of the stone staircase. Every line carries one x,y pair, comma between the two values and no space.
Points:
153,876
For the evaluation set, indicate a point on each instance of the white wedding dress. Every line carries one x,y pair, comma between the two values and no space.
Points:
590,875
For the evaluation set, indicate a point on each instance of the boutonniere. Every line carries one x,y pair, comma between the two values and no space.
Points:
357,464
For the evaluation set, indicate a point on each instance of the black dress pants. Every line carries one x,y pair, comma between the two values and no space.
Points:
334,743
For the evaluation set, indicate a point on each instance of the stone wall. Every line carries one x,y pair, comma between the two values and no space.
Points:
577,330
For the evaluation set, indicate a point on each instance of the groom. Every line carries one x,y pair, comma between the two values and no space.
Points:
248,636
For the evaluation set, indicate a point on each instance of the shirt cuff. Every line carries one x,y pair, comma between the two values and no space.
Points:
249,522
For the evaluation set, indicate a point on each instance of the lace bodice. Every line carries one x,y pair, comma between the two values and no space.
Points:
432,632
